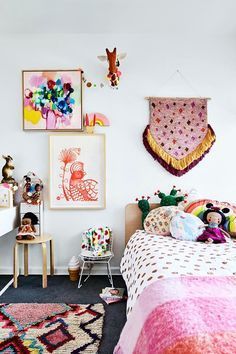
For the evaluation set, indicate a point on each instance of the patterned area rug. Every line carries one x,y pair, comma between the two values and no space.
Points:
50,328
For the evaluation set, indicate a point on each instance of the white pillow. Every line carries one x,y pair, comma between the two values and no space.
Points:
185,226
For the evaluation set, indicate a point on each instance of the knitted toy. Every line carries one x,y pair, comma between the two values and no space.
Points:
214,219
144,206
172,198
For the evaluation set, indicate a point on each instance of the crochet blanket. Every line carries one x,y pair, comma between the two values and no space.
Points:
183,315
178,135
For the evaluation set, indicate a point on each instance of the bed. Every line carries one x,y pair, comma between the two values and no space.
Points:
160,270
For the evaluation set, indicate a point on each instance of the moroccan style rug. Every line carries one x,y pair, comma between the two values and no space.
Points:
50,328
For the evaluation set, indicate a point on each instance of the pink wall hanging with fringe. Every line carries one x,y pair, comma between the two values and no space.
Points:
178,135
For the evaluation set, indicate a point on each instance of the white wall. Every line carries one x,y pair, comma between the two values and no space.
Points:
208,63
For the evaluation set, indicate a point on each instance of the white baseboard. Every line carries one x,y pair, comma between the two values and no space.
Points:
97,270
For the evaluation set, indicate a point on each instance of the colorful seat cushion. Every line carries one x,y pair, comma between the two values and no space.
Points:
184,226
198,207
158,220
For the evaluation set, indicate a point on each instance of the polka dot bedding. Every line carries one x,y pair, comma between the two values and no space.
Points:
149,257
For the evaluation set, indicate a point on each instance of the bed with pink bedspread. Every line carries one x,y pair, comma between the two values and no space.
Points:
183,315
181,296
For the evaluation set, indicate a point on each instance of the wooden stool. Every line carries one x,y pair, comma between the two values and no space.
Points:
38,240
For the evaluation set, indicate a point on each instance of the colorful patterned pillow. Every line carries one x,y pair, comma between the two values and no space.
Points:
199,206
184,226
158,220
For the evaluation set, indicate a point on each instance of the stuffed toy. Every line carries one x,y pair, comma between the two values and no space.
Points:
144,206
114,62
172,198
214,219
26,230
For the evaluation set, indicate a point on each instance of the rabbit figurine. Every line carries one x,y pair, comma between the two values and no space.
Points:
7,170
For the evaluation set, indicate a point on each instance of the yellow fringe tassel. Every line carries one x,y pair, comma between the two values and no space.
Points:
185,161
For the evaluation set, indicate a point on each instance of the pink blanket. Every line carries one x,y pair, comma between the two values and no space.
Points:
183,315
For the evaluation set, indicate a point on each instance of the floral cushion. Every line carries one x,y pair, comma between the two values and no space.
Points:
184,226
198,207
97,241
158,220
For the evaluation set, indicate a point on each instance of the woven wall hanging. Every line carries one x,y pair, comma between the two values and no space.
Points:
178,135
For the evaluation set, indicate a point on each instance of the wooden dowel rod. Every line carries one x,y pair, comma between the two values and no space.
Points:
177,98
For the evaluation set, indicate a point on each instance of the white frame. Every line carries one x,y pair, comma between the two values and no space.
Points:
56,141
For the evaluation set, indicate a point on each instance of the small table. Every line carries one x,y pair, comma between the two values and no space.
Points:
38,240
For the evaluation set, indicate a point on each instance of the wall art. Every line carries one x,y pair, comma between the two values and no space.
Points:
6,195
52,100
178,135
113,59
77,171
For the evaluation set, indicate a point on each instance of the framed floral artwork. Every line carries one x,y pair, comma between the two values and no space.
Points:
52,100
77,171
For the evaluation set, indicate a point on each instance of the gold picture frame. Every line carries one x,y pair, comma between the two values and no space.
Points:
52,100
77,171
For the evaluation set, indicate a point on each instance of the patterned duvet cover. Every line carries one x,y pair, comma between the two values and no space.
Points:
148,258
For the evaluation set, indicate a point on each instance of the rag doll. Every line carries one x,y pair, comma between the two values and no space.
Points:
35,196
26,230
214,220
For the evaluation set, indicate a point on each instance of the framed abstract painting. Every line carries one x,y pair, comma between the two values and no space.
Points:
77,171
52,100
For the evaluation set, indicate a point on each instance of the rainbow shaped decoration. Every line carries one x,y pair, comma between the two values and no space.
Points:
92,119
198,207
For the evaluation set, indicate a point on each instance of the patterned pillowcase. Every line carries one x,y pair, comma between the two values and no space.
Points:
184,226
158,220
199,206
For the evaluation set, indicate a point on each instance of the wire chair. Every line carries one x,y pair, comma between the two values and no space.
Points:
90,253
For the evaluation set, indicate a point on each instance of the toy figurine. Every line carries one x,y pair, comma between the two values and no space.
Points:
214,219
7,172
31,188
26,230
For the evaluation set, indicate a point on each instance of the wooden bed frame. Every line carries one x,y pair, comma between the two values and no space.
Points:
133,219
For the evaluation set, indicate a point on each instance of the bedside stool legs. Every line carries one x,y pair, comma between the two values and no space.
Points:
16,267
44,254
26,261
51,257
39,240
